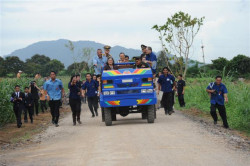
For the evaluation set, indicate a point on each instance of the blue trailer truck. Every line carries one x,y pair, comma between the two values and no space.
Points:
126,91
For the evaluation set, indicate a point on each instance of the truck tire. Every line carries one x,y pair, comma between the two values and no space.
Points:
151,114
103,116
155,110
108,116
113,113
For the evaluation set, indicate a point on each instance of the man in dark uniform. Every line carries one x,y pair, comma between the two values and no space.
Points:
218,92
34,91
166,83
181,90
107,51
17,98
28,103
143,49
139,63
91,86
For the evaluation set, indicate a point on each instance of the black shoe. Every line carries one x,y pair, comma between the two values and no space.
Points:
93,116
96,114
53,122
215,122
79,122
56,125
74,123
31,121
170,112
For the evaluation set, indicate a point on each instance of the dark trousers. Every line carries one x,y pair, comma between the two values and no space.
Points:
43,105
75,105
181,99
30,110
93,104
167,101
222,112
54,109
18,113
36,105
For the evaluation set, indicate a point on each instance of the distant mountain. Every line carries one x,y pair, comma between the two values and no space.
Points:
57,50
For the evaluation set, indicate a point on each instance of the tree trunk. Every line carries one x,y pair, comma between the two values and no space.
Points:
186,67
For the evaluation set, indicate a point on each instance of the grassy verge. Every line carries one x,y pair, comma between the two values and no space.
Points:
238,108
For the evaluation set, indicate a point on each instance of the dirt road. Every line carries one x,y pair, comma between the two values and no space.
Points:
172,140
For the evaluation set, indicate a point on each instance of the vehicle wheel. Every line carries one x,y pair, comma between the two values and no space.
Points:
151,114
155,110
108,116
113,113
103,116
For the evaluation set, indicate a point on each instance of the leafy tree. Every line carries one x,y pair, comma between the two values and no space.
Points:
2,67
32,68
13,64
38,59
54,65
83,54
162,61
82,66
240,64
177,36
220,63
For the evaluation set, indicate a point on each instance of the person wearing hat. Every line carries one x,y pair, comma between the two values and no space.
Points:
19,74
107,51
143,49
139,63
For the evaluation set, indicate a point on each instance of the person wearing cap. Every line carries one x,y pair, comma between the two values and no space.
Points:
143,49
139,63
99,62
107,51
19,74
151,59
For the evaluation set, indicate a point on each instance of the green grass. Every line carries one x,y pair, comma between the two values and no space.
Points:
7,88
238,108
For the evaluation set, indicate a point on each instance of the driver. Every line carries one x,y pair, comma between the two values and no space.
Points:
139,63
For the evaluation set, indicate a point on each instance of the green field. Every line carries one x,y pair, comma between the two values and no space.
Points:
7,87
238,108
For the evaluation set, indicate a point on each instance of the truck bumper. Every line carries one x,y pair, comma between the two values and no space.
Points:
134,101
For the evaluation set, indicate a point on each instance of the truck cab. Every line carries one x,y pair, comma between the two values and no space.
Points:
126,91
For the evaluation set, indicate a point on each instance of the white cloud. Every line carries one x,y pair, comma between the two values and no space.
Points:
127,23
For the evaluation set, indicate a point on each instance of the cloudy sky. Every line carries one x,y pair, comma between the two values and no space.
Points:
226,30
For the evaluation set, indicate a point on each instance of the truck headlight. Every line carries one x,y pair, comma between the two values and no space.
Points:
106,93
144,91
112,92
150,90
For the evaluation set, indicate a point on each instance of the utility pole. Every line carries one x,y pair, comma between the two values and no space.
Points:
202,47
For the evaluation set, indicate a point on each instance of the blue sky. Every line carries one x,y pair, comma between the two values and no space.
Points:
226,30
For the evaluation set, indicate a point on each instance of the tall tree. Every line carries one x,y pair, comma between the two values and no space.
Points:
53,65
80,55
2,73
12,64
240,65
177,36
220,63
